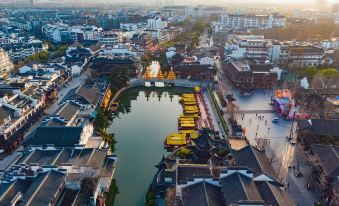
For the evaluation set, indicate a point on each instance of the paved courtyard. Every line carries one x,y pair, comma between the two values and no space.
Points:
257,119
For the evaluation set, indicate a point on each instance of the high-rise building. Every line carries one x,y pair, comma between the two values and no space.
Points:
335,12
335,8
321,4
31,3
6,64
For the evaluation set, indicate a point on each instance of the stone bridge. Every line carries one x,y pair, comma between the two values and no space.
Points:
178,82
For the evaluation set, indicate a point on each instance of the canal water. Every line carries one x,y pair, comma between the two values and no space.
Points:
143,120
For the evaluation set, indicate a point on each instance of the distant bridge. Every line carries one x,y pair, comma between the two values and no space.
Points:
254,111
178,82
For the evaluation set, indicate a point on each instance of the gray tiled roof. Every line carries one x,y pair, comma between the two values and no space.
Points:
187,172
236,187
87,95
273,195
68,110
43,189
42,157
5,113
328,156
9,190
254,159
320,126
202,194
67,155
91,95
59,136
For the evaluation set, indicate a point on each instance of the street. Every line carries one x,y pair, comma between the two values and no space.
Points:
205,41
297,185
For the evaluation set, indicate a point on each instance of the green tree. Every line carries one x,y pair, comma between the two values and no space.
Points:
112,192
42,56
61,50
317,204
329,73
183,152
118,78
150,197
110,139
222,152
101,121
310,72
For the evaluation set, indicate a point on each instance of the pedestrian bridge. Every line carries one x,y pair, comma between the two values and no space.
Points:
254,111
178,82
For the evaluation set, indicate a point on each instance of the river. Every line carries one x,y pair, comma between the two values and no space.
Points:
144,118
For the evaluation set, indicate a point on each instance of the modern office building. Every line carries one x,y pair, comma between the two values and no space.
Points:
254,21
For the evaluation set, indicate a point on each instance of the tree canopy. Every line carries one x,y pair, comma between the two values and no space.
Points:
183,152
322,29
323,71
190,35
103,119
42,56
61,50
161,58
118,78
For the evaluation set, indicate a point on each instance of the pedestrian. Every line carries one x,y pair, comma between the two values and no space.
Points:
288,184
293,167
256,114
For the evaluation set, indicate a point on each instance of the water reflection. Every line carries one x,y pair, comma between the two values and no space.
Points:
144,117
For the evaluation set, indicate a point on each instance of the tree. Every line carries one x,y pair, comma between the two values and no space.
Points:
42,56
110,139
317,204
61,50
324,78
118,78
329,73
102,120
222,152
88,185
160,57
322,29
150,197
89,180
183,152
112,192
310,72
170,197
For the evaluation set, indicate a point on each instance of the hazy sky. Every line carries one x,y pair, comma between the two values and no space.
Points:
283,1
234,1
